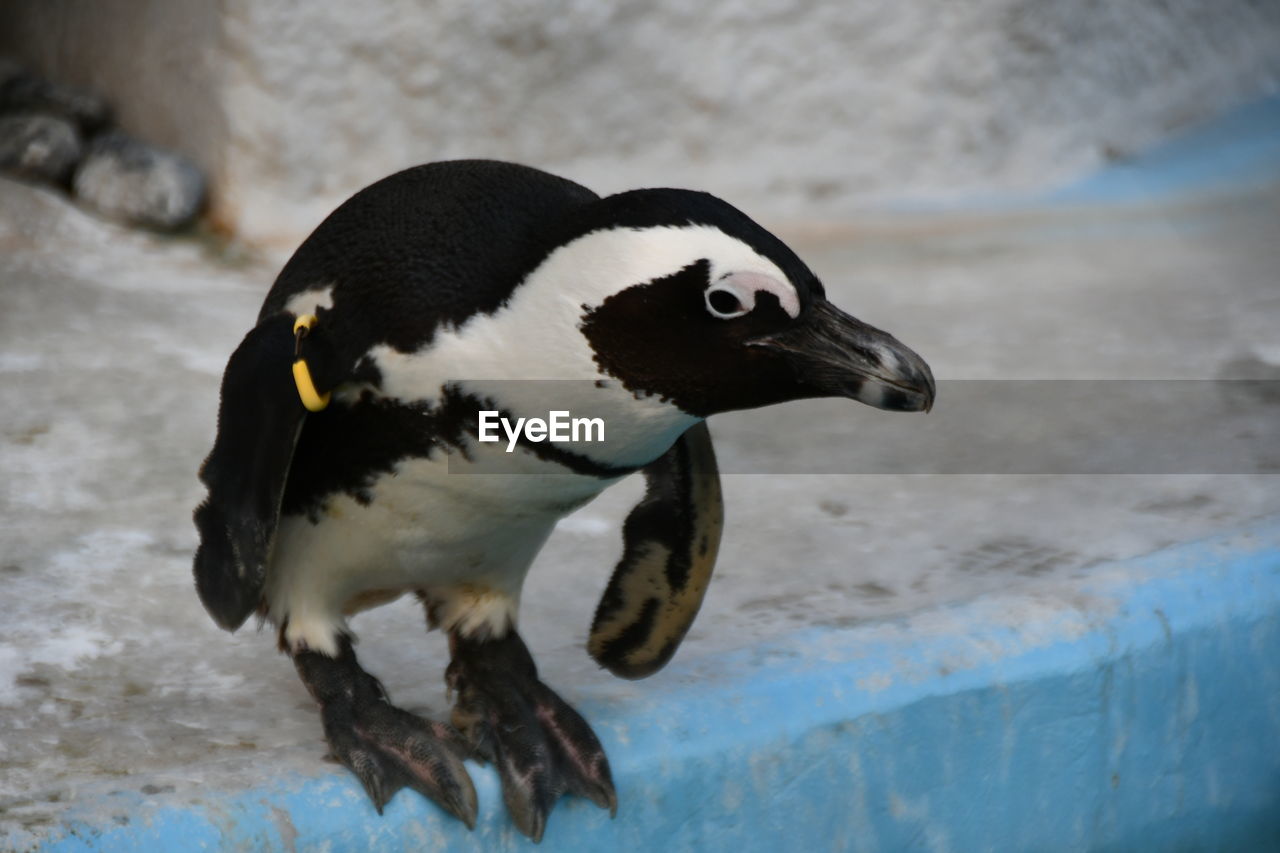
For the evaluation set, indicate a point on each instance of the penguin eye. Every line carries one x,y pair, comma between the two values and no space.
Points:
723,301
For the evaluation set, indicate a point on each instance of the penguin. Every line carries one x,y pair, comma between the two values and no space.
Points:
348,467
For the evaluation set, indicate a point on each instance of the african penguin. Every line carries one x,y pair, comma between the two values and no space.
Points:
351,416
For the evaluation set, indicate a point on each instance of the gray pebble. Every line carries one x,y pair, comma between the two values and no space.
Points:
22,91
39,147
131,181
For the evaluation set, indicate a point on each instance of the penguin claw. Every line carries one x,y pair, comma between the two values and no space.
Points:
579,755
387,748
541,747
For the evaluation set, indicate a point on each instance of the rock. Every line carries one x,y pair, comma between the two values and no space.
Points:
131,181
22,91
39,147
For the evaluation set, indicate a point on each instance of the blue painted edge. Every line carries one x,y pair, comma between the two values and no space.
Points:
1239,149
1144,716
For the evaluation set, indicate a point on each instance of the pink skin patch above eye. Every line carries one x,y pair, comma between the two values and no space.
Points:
747,284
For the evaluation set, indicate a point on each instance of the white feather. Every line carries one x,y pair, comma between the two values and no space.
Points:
310,301
441,525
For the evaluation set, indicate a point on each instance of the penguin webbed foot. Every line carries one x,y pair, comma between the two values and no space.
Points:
541,747
385,747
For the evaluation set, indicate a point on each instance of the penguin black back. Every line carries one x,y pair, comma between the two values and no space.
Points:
430,245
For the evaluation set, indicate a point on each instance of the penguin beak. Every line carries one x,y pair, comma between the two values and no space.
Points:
835,355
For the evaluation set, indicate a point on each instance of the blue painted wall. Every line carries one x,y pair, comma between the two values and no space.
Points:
1240,149
1148,718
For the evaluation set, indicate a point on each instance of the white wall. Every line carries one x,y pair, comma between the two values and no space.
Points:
793,109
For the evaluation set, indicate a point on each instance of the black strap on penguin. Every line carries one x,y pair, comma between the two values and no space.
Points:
267,390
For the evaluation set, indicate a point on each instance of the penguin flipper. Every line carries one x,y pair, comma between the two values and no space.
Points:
259,419
671,539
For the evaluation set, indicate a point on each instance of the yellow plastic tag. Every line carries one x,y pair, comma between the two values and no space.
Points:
311,398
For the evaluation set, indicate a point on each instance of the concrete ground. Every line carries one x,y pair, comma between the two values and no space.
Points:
114,682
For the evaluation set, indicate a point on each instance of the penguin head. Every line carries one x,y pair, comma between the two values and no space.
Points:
710,311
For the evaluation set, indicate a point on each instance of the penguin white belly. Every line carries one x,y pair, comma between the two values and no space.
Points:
464,538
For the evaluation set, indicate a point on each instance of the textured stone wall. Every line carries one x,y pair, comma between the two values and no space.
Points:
156,61
794,109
